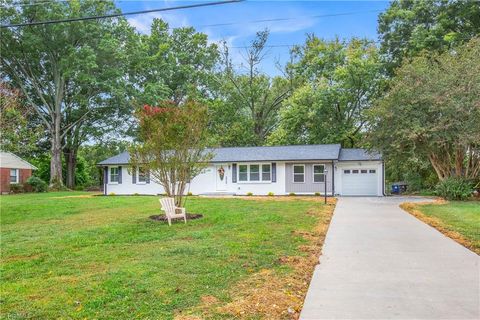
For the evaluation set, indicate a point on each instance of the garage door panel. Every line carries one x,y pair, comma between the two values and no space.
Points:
359,182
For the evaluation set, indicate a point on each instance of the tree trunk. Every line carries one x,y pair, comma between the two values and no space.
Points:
70,155
56,178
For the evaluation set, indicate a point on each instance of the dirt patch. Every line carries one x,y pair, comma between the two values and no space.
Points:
162,217
268,293
78,196
330,200
414,210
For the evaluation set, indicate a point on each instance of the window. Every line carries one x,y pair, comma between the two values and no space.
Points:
243,172
142,175
266,172
254,172
373,171
363,171
318,173
346,171
13,175
354,171
114,174
299,173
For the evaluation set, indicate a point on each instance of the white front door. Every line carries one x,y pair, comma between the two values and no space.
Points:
221,178
359,181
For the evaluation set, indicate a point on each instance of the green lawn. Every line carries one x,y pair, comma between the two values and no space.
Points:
101,257
462,217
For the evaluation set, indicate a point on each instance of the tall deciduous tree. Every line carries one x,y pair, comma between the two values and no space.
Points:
408,27
174,65
66,71
336,83
254,96
432,111
172,147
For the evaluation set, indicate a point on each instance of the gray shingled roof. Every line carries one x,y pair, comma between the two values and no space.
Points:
274,153
358,154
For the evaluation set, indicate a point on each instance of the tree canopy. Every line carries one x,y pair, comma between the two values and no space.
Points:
432,111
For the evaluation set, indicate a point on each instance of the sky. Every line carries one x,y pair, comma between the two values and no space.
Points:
326,19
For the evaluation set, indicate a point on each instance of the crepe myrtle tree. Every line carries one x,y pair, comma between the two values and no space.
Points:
172,147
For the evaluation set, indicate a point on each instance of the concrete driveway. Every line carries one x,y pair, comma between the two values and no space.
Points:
380,262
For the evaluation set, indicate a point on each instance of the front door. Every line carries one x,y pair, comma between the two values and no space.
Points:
221,177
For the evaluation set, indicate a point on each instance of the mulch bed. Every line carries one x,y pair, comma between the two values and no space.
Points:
162,217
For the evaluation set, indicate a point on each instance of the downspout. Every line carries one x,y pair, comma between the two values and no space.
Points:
383,178
333,179
105,178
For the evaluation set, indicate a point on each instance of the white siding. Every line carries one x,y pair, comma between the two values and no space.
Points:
202,184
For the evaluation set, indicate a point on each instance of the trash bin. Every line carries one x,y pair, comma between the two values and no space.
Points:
399,187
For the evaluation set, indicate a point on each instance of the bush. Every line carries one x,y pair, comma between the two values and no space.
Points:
249,194
111,194
189,194
37,184
271,194
292,194
16,188
317,194
136,194
454,189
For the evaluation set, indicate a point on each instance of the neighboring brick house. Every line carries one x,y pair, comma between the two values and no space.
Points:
13,169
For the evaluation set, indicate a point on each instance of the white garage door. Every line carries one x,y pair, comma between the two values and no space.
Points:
359,182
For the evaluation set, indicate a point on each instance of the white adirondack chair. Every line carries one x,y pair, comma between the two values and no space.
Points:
168,205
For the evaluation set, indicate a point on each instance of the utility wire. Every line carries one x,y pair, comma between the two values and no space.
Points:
207,4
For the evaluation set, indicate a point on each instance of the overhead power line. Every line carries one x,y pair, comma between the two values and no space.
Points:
114,15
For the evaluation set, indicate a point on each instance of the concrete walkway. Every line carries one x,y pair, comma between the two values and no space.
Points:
380,262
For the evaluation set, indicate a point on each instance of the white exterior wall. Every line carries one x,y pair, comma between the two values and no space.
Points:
340,166
204,183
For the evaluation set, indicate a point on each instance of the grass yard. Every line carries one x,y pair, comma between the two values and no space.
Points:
71,255
456,219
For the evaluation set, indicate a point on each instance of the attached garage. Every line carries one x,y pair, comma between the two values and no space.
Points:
359,182
359,173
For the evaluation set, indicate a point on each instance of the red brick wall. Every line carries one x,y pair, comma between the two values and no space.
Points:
5,178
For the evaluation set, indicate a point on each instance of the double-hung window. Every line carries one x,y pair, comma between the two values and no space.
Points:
298,173
14,176
114,174
254,172
142,175
318,173
266,172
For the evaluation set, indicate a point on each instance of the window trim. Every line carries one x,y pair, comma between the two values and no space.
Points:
313,172
293,172
110,175
260,172
17,176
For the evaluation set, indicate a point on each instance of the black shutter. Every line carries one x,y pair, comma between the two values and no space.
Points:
234,173
105,180
274,172
119,174
134,175
147,177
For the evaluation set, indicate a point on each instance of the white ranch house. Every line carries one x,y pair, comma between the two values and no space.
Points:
301,169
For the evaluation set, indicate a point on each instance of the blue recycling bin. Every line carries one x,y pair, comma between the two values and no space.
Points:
395,189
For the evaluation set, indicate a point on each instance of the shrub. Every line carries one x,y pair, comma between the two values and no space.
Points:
37,184
189,194
454,189
317,194
271,194
111,194
16,188
136,194
292,194
249,194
